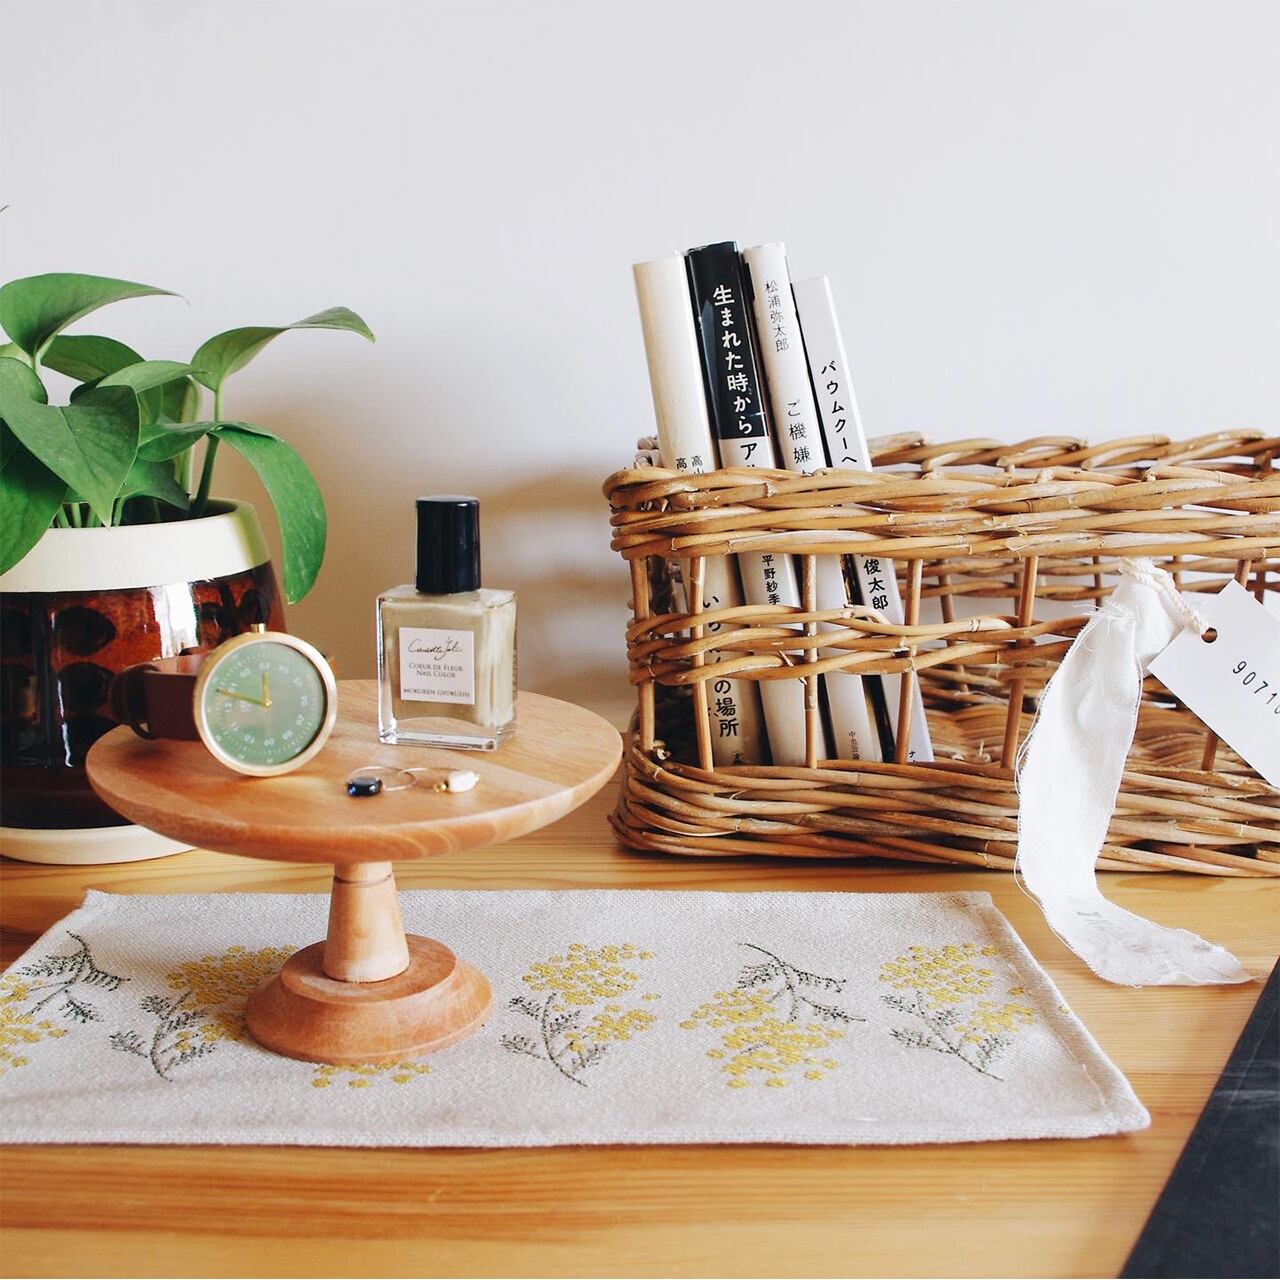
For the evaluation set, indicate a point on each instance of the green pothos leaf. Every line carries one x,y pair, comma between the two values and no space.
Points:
30,495
226,352
88,357
154,480
90,445
21,375
295,495
36,309
147,374
161,440
179,401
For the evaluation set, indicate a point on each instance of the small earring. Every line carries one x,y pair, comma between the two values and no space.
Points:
454,781
368,781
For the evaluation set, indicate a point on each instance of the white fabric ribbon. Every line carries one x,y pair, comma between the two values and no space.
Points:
1069,774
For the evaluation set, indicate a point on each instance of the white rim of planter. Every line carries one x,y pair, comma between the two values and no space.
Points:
143,555
86,846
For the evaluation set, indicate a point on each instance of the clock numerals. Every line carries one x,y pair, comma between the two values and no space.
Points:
266,706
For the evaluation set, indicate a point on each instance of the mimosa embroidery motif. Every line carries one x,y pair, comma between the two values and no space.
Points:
208,1009
773,1024
944,988
221,986
564,987
54,985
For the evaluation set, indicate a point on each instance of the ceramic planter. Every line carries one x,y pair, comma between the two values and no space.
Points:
86,603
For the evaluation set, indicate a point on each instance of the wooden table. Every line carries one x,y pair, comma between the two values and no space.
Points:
995,1209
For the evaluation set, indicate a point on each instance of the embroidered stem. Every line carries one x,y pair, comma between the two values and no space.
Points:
547,1039
943,1044
788,972
81,968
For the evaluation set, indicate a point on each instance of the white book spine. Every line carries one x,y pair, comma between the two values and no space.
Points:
799,436
685,443
771,579
847,447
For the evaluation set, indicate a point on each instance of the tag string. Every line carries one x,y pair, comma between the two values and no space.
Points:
1149,575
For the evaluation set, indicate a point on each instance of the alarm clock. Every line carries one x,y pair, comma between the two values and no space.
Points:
263,703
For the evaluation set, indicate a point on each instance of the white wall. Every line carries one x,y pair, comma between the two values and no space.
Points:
1039,218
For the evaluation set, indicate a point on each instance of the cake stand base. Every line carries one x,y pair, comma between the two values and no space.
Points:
304,1013
367,993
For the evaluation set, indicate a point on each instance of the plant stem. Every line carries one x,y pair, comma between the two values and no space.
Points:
206,477
75,516
60,519
210,453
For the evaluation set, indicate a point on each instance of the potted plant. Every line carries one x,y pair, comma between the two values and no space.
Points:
112,549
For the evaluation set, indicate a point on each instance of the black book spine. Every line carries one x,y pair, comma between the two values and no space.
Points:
735,394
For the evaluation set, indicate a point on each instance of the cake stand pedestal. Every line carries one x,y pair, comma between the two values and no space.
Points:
368,992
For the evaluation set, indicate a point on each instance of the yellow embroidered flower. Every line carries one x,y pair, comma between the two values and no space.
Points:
606,1026
221,985
363,1074
19,1029
942,976
988,1019
585,976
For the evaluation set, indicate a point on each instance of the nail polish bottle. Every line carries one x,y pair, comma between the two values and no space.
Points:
447,645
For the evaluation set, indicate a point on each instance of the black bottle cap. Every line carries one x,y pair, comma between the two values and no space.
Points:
448,544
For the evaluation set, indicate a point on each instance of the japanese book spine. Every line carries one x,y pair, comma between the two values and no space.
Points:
799,436
847,447
741,426
685,444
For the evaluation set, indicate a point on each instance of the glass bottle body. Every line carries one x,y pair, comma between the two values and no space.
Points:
447,667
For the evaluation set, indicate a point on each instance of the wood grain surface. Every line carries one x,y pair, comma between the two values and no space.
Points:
560,755
1057,1208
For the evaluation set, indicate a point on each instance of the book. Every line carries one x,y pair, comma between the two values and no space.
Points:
800,446
847,447
685,444
741,426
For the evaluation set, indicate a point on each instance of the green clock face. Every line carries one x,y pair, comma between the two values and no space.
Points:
262,704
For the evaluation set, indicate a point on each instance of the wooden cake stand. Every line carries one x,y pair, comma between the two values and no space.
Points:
368,993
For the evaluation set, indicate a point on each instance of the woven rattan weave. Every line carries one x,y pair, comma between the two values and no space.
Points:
1001,552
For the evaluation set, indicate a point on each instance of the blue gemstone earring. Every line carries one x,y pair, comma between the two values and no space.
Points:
368,781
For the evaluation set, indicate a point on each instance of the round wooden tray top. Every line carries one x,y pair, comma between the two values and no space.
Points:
559,756
367,993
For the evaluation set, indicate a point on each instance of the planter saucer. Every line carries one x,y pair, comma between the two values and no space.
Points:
86,846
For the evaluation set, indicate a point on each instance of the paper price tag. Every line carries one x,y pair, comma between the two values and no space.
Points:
1233,683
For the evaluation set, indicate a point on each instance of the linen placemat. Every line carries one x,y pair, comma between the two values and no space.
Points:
618,1017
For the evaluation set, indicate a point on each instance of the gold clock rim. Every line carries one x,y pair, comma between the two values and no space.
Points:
308,651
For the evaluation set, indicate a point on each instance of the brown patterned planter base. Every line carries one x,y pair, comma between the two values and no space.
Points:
60,644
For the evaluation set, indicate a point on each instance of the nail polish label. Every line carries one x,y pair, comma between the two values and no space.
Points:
437,665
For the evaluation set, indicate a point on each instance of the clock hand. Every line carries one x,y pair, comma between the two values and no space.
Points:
244,697
266,692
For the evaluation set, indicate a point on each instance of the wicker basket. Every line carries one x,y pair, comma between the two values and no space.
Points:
971,526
